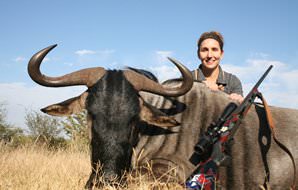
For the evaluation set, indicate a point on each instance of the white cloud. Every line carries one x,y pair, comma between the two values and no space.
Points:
254,67
102,53
165,72
20,59
85,52
18,98
90,57
260,55
46,59
279,87
162,56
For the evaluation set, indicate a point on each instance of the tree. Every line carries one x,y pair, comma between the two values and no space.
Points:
2,113
76,128
7,132
42,126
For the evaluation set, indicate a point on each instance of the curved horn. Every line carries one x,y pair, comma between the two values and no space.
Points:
86,77
142,83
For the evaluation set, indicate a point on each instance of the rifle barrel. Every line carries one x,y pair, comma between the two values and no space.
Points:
252,91
261,79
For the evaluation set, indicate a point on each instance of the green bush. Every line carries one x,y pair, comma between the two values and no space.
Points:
75,127
44,130
8,133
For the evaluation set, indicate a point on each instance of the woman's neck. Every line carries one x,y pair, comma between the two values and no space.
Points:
211,74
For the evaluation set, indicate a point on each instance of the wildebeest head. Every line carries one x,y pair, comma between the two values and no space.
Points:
113,105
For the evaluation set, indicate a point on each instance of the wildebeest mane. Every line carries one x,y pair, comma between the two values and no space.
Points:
146,73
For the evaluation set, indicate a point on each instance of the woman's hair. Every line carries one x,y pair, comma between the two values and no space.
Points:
213,35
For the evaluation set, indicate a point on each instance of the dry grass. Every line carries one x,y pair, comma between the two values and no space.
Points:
39,168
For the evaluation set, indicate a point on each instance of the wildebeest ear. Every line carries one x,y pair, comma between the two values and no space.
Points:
67,107
153,116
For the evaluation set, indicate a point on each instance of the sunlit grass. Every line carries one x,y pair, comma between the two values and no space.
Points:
39,168
36,167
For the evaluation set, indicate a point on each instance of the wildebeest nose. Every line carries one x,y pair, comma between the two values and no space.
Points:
111,177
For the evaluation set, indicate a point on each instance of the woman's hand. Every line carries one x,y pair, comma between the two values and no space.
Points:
236,97
215,87
211,85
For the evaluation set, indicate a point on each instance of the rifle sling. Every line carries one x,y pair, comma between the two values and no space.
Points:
272,127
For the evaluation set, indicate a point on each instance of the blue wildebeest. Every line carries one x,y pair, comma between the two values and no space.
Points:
118,112
114,107
253,153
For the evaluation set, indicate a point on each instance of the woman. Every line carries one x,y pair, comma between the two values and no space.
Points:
210,52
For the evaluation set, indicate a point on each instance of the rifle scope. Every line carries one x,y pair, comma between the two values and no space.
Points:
211,135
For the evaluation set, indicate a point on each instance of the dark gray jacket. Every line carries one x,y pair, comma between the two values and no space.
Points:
229,82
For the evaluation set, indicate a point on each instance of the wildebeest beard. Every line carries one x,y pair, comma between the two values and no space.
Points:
113,106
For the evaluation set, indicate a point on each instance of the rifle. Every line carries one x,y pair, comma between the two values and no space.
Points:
211,150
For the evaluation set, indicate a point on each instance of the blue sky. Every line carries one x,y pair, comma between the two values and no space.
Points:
136,33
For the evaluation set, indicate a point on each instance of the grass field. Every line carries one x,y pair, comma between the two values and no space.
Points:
37,168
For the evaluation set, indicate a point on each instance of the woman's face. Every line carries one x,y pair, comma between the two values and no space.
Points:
210,53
